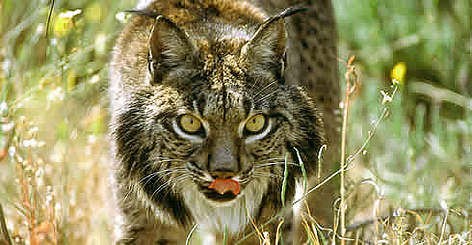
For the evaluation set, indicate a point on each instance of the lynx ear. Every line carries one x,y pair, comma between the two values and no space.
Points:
266,49
169,47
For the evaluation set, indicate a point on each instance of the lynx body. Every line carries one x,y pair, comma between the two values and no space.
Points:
204,128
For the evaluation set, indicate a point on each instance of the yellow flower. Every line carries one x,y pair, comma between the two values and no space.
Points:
65,22
398,73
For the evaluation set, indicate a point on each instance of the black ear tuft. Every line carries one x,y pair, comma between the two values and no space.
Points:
169,47
266,49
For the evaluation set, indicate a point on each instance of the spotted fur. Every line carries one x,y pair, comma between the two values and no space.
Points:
222,61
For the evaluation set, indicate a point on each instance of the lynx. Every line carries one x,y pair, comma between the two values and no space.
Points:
206,131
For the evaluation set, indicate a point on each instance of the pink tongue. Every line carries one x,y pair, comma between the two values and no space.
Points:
224,185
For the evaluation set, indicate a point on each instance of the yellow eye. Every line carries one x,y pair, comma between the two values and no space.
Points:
255,123
190,124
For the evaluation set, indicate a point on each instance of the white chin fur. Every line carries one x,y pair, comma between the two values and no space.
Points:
223,204
213,216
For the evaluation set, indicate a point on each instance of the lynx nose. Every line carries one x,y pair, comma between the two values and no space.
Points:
223,158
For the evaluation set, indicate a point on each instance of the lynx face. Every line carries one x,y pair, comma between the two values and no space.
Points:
203,118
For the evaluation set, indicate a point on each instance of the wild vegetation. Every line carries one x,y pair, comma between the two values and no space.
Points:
408,130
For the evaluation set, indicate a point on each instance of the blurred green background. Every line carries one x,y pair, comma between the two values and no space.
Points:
54,167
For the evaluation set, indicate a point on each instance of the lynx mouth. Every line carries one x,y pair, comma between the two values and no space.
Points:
217,197
221,190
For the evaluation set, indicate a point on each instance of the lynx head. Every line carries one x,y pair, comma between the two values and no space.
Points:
213,114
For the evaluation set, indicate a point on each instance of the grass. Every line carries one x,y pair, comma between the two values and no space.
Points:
407,146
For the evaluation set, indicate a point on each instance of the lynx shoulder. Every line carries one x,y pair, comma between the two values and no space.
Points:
204,128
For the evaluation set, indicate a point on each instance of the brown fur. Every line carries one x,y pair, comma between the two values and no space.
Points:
222,62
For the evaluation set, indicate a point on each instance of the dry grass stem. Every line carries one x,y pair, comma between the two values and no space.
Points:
260,235
350,85
3,226
277,234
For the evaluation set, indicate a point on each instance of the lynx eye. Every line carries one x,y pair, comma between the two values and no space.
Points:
255,124
190,124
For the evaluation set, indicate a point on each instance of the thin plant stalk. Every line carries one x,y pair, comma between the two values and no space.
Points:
284,183
443,227
348,75
260,235
3,225
277,233
302,166
320,153
225,235
189,236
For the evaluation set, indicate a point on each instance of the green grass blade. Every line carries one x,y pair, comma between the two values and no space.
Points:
284,183
189,236
302,166
225,235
